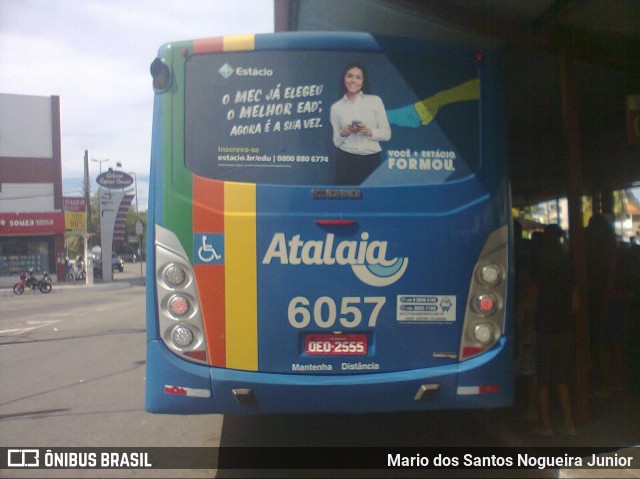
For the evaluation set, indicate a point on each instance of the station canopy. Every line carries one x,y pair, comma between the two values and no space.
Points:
600,39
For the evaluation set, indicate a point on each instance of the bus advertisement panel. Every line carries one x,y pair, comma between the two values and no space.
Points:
330,226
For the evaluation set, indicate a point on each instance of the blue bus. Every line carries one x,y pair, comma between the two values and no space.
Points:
329,227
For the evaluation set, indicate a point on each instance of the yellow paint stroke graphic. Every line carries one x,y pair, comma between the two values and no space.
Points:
424,111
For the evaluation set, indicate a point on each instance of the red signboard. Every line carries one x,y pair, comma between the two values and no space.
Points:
31,223
74,204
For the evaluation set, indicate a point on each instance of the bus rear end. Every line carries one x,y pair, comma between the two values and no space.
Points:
278,287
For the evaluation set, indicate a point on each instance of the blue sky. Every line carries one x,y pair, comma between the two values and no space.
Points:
95,55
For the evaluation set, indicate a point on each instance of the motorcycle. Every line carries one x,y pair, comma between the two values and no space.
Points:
76,272
29,280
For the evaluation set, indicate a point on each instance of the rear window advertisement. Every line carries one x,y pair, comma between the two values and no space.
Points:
331,118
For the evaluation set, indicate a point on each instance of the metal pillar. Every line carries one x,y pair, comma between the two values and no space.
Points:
571,127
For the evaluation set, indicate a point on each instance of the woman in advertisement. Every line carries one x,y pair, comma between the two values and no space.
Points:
359,123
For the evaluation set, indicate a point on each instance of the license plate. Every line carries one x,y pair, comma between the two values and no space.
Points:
336,344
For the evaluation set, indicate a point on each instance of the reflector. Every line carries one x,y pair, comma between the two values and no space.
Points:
199,355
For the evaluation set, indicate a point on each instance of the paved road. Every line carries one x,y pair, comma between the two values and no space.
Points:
73,375
73,367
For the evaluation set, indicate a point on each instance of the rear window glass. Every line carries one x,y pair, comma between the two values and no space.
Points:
332,117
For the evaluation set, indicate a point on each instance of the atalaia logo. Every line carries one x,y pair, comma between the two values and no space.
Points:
368,259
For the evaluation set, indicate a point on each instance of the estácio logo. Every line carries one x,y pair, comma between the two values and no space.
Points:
226,71
367,259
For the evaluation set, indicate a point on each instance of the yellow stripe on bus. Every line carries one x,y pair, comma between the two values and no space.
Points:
241,283
239,42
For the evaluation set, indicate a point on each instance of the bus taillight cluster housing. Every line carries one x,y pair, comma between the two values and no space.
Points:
485,312
161,75
180,318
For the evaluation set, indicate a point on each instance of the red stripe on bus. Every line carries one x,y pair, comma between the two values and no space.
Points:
208,205
208,217
208,45
211,292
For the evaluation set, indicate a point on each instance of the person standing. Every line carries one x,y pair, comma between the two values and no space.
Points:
359,122
554,329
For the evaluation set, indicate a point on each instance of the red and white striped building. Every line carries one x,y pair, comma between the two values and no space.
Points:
31,214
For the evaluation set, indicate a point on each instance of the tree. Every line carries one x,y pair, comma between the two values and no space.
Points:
75,244
130,231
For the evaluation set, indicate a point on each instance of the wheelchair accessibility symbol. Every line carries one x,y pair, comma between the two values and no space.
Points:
208,248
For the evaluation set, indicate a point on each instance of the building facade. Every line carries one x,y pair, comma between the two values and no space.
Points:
31,211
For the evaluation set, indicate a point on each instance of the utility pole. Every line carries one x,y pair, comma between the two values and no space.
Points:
88,258
139,235
87,189
138,223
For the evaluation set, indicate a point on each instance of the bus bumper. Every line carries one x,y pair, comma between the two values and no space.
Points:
177,387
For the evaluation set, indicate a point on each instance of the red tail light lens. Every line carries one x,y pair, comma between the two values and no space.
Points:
179,305
486,304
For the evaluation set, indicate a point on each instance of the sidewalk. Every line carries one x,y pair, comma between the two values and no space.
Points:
130,277
98,283
613,428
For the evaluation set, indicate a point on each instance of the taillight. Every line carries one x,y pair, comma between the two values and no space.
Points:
490,274
485,313
174,275
178,305
486,304
182,336
484,333
179,317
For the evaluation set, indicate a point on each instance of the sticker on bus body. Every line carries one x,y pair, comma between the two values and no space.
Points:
425,308
208,248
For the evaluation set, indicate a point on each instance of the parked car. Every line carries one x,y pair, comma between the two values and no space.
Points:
128,257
